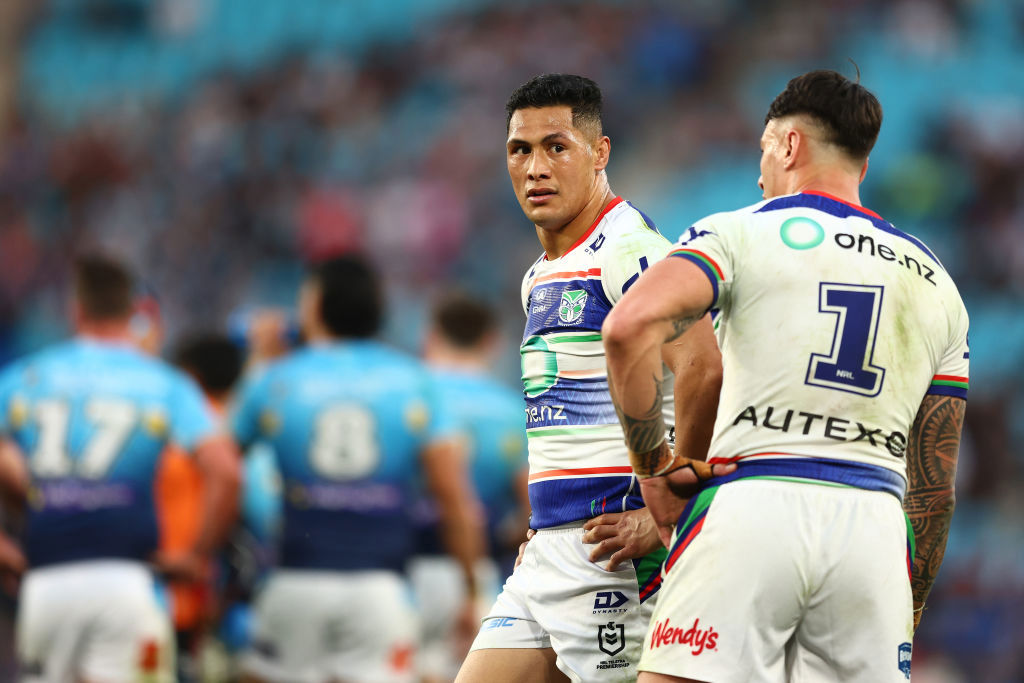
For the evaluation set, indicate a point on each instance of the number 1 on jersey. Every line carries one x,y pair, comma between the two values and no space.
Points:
849,365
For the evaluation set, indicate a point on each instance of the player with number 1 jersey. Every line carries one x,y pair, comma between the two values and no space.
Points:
828,489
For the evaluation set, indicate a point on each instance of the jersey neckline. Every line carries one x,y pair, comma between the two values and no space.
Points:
834,198
583,238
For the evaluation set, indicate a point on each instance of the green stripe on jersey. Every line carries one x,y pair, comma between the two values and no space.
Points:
649,565
579,430
568,338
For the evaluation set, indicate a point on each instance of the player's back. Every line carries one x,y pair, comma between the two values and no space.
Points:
347,422
834,327
93,419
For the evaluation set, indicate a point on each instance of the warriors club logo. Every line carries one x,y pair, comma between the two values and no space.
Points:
572,305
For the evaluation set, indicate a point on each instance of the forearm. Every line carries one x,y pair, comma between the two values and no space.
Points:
220,512
635,374
931,471
930,515
459,511
463,539
696,362
221,474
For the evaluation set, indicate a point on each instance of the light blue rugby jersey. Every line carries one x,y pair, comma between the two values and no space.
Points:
489,417
93,419
347,422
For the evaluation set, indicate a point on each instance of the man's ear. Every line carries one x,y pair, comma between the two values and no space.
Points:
602,153
863,172
793,145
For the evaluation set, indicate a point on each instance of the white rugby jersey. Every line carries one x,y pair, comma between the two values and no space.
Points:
833,326
579,464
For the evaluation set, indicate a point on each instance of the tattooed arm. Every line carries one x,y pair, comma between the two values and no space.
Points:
931,470
664,303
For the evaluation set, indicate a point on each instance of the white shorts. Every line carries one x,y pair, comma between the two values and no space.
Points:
439,588
784,581
97,620
558,598
320,625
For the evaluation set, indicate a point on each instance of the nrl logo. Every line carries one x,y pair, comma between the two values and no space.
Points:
572,305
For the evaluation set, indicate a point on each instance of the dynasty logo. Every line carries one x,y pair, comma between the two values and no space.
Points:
610,602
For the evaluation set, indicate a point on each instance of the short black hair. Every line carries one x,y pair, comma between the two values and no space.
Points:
462,320
351,300
849,112
104,287
579,93
212,359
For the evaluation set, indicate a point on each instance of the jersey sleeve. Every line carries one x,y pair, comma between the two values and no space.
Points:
441,422
952,377
625,258
244,421
706,245
192,419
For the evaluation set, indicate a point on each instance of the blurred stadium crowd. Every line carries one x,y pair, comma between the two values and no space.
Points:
220,144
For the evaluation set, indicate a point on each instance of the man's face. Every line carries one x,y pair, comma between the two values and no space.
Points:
553,164
772,156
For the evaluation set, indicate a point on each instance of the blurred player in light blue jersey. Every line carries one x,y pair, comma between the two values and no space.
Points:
354,425
91,417
460,347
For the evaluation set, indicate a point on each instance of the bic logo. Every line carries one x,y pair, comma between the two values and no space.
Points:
610,600
500,622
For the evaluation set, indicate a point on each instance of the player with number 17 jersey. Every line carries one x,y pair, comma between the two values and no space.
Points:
92,419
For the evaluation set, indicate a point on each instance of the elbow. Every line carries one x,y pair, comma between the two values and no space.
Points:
620,329
222,464
711,380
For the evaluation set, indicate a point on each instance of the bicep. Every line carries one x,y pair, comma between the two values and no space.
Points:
671,296
696,348
935,442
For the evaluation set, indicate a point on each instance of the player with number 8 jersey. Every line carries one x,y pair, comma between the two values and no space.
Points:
352,424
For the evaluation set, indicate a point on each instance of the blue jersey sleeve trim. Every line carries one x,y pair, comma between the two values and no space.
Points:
942,390
706,269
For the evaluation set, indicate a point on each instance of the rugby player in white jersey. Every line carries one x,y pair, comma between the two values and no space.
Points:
844,346
573,608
